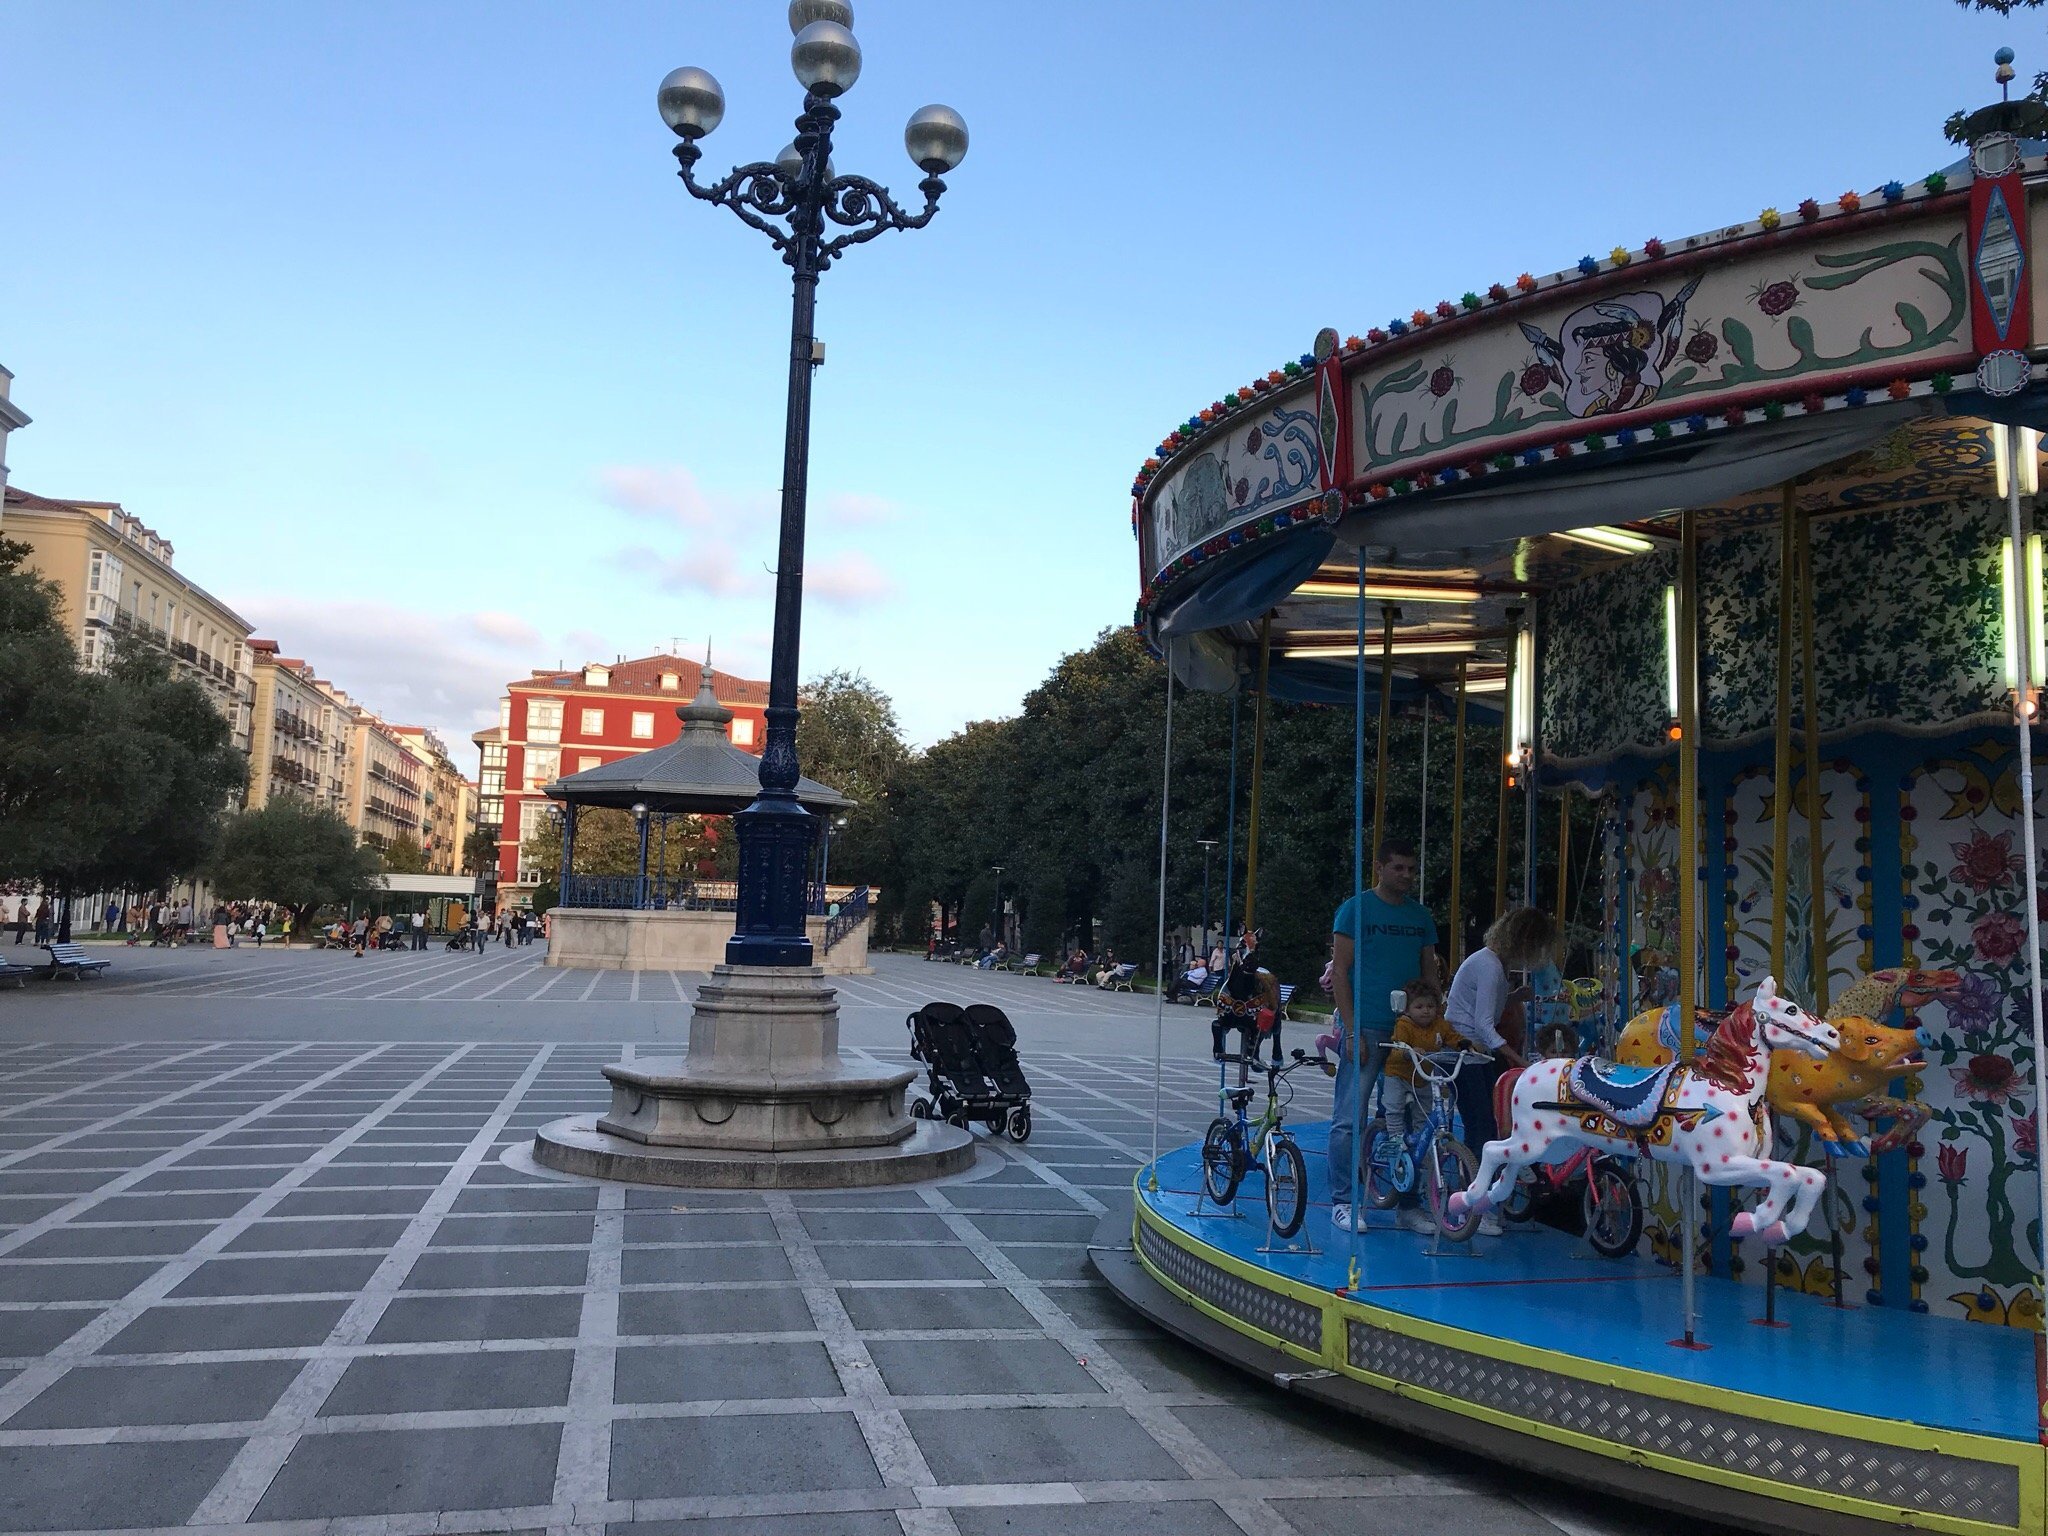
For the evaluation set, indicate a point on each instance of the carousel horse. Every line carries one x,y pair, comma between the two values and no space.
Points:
1852,1077
1706,1113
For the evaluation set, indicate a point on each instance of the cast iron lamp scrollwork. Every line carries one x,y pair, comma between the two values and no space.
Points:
797,201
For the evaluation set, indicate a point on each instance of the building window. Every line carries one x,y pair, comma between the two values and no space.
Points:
543,719
152,610
587,762
531,819
593,722
643,725
671,681
505,713
543,766
742,732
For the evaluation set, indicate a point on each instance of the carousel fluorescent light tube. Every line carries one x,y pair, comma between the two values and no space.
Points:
1486,685
2030,460
1372,650
2009,617
1617,541
1671,650
1381,593
1524,702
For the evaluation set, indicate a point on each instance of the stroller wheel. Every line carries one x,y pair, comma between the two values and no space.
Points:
1018,1127
959,1118
920,1108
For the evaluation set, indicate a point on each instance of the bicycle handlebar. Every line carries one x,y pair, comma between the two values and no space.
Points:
1438,1066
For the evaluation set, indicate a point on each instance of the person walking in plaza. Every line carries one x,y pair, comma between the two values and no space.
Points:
1379,938
510,924
43,921
359,935
20,918
1479,1008
419,930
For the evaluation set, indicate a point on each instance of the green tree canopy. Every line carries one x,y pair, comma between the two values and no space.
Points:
479,852
403,855
297,854
847,736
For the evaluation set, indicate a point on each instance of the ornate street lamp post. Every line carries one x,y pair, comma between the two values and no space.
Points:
1208,846
796,200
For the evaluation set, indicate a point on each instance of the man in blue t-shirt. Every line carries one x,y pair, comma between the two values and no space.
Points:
1380,939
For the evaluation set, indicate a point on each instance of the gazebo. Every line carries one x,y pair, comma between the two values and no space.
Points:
664,921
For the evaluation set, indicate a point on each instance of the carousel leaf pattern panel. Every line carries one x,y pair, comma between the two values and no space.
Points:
1977,1201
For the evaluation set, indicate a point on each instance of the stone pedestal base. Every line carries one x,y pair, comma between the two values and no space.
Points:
762,1100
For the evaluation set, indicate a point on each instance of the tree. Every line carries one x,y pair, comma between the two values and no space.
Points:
847,736
404,856
297,854
607,843
479,852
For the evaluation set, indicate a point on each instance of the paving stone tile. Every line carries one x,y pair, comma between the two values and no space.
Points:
279,1276
891,1261
690,1200
765,1310
102,1396
1038,1445
945,1367
512,1231
934,1307
1035,1229
699,1227
99,1487
836,1523
1060,1263
1164,1364
71,1282
55,1181
500,1315
181,1180
664,1266
1277,1437
173,1330
386,1472
318,1236
1190,1517
460,1271
446,1383
42,1330
405,1178
1096,1306
692,1458
1033,1198
876,1226
694,1373
110,1243
1440,1515
525,1196
351,1202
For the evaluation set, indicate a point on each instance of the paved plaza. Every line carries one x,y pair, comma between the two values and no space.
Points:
270,1255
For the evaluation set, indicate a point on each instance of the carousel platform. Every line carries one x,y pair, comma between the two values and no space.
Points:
1533,1352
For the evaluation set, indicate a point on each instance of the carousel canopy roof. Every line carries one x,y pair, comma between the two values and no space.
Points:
700,771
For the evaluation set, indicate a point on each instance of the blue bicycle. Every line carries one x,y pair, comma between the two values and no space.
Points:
1236,1144
1431,1156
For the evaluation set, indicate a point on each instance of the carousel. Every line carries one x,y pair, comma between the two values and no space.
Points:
1737,535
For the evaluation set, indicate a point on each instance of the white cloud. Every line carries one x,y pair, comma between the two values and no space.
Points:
848,580
671,492
413,667
857,509
711,567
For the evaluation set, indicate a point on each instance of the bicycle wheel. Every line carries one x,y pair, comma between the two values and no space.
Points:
1286,1185
1520,1204
1614,1216
1448,1167
1221,1169
1384,1155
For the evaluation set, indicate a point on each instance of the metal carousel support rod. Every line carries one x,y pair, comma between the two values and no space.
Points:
1507,772
1781,787
1354,1275
1564,856
1388,615
1422,829
1251,833
1230,817
2025,710
1526,642
1159,955
1688,874
1458,824
1816,840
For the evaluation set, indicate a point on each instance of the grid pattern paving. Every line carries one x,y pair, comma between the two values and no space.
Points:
306,1283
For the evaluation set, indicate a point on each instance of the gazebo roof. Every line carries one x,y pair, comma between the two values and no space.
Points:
700,771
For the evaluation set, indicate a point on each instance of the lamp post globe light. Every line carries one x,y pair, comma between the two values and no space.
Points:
1208,847
812,216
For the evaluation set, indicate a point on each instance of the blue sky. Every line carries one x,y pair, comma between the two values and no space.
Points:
394,318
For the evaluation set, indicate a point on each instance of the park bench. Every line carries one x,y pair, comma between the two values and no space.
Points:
1123,979
71,960
1023,963
18,974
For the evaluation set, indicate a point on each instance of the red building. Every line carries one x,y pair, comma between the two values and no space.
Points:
556,723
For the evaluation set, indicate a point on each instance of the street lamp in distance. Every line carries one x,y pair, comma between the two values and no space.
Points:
1208,846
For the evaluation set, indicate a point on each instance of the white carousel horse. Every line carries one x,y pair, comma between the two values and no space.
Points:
1708,1113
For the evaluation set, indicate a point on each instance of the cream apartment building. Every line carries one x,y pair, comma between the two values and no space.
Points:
385,788
118,578
303,733
443,799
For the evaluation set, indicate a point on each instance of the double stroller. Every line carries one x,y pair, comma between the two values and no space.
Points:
971,1068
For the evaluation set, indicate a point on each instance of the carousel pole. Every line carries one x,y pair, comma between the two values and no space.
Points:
1458,823
1529,800
1781,790
1357,1041
1379,783
1688,874
1251,834
1159,955
1564,853
1422,831
1230,819
1507,773
1816,850
2024,711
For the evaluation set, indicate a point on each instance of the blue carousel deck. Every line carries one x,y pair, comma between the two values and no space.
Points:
1852,1415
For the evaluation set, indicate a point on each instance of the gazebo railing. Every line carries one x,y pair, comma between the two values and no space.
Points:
851,914
656,893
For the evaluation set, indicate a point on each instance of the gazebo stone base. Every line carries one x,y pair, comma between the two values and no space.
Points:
626,939
763,1085
932,1151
